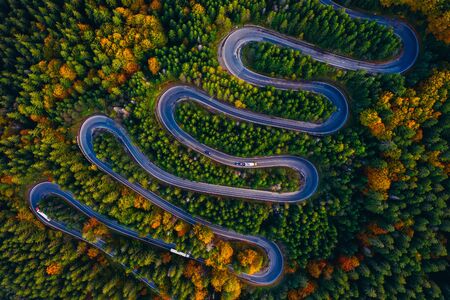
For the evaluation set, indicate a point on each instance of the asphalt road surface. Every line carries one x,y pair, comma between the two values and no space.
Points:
230,59
45,189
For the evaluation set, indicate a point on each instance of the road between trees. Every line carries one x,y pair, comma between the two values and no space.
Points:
230,59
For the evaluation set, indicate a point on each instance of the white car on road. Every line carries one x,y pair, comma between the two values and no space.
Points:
42,214
245,164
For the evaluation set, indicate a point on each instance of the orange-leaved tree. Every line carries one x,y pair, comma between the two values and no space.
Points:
54,269
348,263
153,65
203,233
250,260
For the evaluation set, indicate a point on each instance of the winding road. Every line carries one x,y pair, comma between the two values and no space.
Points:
45,189
230,59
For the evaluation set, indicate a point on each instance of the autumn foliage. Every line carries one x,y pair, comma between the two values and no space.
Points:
203,233
155,220
436,11
54,269
166,258
59,91
375,229
155,5
66,60
125,45
378,179
93,230
316,267
302,293
141,203
67,72
410,110
371,119
404,113
250,260
195,272
182,228
220,256
348,263
439,25
93,252
200,294
227,283
153,65
197,8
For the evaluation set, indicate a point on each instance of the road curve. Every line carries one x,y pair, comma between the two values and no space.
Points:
85,139
102,123
400,64
42,190
45,189
230,59
231,46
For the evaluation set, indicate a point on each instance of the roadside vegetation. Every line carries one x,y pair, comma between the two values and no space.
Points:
376,228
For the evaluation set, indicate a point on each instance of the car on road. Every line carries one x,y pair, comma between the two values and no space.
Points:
42,214
207,152
245,164
179,253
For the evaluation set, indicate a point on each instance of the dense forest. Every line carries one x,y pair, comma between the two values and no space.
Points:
377,227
